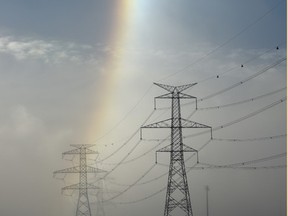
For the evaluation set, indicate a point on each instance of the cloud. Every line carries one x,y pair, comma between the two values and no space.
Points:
48,51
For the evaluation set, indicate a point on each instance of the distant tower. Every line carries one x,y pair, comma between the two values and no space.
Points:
99,195
83,206
177,195
207,203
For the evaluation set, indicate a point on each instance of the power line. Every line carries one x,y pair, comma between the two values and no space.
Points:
226,125
125,116
240,119
147,91
251,161
126,142
142,199
164,174
244,80
243,168
249,139
155,178
243,101
203,146
221,127
145,153
223,44
121,161
212,166
120,147
239,164
130,186
138,157
142,183
201,168
219,75
147,197
238,83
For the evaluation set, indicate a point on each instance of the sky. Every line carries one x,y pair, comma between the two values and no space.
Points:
83,72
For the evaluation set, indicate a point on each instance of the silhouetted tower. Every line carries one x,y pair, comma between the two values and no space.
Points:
177,195
83,205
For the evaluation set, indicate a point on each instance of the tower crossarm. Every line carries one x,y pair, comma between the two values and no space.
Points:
165,96
170,96
161,124
71,152
79,187
186,96
82,145
175,88
89,151
180,95
168,124
168,148
185,123
191,124
91,169
184,87
76,169
78,151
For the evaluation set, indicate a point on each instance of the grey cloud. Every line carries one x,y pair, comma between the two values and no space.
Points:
48,51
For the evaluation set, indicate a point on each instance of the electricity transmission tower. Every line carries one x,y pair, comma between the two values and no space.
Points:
83,205
207,203
100,210
177,194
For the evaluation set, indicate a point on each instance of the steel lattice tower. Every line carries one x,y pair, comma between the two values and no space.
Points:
83,205
177,194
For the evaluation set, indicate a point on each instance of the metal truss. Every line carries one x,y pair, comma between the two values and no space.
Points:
83,205
177,195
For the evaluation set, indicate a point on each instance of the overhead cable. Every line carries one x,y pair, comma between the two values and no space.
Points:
164,174
146,197
219,75
125,116
244,80
250,139
236,84
223,44
243,101
129,187
248,162
126,142
244,168
136,158
240,119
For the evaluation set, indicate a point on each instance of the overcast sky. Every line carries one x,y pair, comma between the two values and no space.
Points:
83,72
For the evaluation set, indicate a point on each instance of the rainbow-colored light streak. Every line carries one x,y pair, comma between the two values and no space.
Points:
124,11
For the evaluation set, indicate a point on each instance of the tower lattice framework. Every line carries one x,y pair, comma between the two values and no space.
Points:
83,205
177,194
